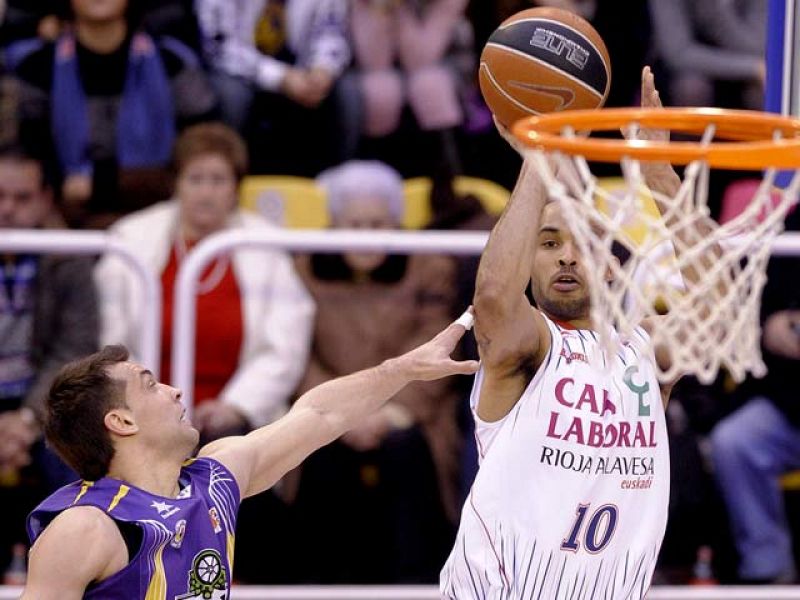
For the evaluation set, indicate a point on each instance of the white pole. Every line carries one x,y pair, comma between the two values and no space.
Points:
185,308
47,241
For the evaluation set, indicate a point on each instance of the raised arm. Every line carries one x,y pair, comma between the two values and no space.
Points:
325,412
512,336
81,546
662,179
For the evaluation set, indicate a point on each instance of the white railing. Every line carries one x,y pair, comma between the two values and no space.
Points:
49,241
95,243
185,308
401,242
431,593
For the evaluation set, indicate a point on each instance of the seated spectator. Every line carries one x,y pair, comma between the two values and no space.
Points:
704,43
415,54
106,100
759,442
254,315
288,55
391,484
48,317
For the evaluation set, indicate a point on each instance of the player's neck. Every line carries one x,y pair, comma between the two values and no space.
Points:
581,323
157,475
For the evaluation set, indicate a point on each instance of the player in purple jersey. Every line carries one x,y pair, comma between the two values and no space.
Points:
147,523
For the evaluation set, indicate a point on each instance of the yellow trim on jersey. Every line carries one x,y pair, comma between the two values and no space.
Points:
123,491
188,461
84,488
230,545
157,589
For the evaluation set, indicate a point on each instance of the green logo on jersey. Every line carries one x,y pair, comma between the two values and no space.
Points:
639,390
207,577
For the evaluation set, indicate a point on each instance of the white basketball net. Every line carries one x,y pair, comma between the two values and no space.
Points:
711,323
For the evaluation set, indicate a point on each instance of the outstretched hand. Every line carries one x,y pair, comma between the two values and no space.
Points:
650,99
432,359
659,175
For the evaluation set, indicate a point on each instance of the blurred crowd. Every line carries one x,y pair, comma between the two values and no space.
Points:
143,118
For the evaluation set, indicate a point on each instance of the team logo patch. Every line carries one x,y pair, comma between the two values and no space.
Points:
639,389
180,532
164,510
214,516
207,579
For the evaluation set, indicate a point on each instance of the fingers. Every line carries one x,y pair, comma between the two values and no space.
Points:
464,367
650,99
650,95
450,337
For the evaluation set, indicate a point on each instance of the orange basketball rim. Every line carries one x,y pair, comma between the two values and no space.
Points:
752,139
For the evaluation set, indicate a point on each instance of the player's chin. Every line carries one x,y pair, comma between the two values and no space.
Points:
191,436
572,289
186,425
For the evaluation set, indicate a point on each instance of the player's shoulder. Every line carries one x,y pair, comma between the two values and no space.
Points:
79,531
546,329
84,524
210,467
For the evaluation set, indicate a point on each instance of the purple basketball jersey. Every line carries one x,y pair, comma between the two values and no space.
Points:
187,543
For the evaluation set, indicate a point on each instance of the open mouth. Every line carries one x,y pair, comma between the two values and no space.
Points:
566,283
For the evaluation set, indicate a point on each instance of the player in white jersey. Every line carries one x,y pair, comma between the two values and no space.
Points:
570,500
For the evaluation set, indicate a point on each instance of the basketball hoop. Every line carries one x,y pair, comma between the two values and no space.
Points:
710,319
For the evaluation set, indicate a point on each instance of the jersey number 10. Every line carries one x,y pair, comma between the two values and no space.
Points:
598,532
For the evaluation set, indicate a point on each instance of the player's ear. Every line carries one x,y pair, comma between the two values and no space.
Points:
121,422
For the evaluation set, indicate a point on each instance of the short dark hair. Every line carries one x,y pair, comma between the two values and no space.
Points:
81,395
212,138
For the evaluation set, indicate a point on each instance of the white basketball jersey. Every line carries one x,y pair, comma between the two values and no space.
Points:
570,500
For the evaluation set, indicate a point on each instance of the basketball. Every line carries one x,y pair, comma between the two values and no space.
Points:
543,60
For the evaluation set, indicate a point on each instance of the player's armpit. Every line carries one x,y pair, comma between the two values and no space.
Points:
506,333
511,352
81,546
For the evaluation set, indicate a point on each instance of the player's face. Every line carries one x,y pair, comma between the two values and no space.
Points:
24,201
558,281
156,409
206,189
364,213
99,10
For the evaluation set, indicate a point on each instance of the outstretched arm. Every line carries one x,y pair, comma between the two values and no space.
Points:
510,333
324,413
662,179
